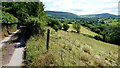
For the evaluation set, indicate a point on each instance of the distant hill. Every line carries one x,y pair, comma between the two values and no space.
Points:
59,14
118,15
99,15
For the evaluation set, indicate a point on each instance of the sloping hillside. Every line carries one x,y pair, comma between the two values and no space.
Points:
58,14
99,15
70,49
84,30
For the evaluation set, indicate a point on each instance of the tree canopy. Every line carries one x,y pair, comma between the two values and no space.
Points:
29,14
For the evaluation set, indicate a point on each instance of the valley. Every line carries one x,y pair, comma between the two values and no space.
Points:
34,37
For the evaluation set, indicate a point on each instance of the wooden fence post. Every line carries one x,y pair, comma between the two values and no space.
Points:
47,42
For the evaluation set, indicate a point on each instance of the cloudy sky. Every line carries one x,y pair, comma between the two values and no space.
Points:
82,7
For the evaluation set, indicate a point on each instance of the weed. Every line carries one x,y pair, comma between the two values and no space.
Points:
84,58
46,60
100,62
86,50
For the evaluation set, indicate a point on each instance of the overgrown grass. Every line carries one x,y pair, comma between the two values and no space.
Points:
84,30
70,49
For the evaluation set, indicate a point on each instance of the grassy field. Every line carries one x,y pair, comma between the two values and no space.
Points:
70,49
83,30
111,21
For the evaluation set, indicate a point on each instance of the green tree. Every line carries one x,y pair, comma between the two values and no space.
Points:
54,23
29,14
114,33
98,37
60,25
8,18
76,26
56,27
65,26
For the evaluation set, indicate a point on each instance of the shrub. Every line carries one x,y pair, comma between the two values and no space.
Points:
76,26
60,25
52,22
34,27
98,37
56,27
65,27
69,22
107,38
8,18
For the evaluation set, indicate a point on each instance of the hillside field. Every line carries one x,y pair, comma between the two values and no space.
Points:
84,30
70,49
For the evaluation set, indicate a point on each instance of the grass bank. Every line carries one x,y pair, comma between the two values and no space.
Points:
70,49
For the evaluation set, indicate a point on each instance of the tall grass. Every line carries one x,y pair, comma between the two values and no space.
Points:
70,49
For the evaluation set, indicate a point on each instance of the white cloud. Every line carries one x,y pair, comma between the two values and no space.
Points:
82,7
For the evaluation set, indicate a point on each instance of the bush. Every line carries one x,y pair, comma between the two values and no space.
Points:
34,27
65,26
8,18
55,24
52,22
69,22
98,37
76,26
60,25
107,38
56,27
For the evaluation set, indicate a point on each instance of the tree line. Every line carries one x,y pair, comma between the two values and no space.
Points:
29,14
110,33
59,24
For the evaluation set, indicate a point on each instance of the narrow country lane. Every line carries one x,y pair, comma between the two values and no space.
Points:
13,52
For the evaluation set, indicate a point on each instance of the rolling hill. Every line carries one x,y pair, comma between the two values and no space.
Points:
59,14
99,15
